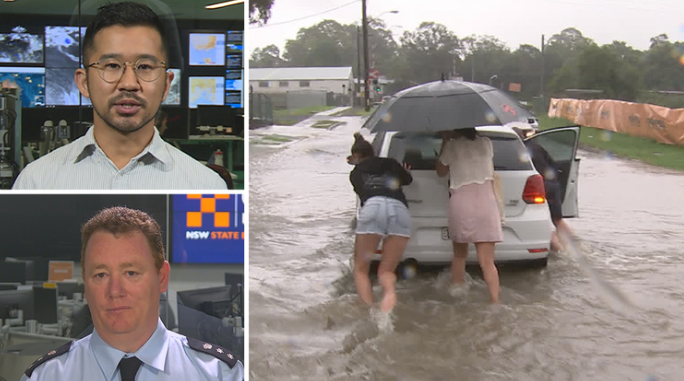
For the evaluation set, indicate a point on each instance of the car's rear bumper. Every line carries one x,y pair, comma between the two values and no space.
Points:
526,238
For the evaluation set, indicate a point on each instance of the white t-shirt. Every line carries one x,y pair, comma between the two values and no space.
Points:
469,161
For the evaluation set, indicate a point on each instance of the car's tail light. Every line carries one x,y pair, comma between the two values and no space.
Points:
534,192
532,251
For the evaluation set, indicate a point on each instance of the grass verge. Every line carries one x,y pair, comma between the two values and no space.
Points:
622,145
325,124
289,117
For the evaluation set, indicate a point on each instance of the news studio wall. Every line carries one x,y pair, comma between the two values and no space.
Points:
42,303
40,49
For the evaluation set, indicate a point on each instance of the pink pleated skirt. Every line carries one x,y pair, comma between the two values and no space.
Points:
474,214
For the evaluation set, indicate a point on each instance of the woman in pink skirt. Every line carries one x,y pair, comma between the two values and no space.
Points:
473,209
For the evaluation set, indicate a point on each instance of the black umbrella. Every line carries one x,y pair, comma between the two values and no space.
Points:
446,105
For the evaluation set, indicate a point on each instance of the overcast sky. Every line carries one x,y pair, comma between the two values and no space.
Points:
514,22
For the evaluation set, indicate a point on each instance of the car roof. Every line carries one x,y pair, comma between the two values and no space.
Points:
501,131
498,131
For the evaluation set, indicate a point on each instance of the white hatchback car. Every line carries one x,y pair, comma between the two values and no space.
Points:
528,227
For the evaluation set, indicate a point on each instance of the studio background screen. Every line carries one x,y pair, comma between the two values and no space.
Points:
207,49
208,229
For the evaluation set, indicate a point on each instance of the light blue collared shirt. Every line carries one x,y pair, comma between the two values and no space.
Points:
166,356
83,165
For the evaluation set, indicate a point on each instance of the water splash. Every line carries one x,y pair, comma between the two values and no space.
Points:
613,296
387,117
384,321
490,117
459,290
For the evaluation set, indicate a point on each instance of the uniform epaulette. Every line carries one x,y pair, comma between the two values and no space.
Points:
49,356
211,349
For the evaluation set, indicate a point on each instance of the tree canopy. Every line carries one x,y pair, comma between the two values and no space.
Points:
570,60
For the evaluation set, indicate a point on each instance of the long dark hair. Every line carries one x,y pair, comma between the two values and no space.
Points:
470,133
362,147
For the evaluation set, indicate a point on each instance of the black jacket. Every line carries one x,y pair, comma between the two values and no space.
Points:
542,161
379,176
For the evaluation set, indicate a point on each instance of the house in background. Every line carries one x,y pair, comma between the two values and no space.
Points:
338,80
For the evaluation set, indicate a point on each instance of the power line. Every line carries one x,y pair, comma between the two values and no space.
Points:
306,17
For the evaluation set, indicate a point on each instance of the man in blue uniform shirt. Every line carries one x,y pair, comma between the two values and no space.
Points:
125,55
124,272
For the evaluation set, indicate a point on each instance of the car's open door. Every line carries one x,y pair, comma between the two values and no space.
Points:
561,144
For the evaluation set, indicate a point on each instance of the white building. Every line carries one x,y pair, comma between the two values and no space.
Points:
283,79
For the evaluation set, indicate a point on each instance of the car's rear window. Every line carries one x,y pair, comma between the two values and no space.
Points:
420,150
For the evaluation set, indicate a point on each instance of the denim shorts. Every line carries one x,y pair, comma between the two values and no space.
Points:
384,216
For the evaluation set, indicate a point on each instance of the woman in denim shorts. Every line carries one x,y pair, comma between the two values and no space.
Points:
384,213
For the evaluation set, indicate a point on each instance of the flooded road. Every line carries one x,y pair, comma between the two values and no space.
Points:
553,324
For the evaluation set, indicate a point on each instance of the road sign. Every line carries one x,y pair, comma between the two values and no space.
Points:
373,74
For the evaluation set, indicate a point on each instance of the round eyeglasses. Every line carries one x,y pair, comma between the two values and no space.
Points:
112,70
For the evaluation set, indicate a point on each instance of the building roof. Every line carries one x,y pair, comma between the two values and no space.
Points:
299,73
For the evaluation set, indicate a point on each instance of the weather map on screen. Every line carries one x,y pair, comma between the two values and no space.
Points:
62,46
207,49
62,51
31,81
21,47
61,89
205,91
174,96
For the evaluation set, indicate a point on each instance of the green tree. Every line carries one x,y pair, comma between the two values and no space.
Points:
327,43
269,56
260,11
560,56
662,67
524,67
427,53
599,68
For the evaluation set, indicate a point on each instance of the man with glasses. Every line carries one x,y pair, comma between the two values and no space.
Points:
125,76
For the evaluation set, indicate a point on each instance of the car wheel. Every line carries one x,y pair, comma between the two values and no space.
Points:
537,263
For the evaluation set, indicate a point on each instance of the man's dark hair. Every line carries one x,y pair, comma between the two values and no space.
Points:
362,147
126,14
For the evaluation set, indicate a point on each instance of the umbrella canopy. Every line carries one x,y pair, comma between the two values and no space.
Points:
446,105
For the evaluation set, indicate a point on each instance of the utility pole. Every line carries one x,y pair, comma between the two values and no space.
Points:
365,54
472,67
358,62
543,64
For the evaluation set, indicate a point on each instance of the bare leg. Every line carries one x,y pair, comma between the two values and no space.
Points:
364,248
392,252
485,255
459,262
563,229
555,242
